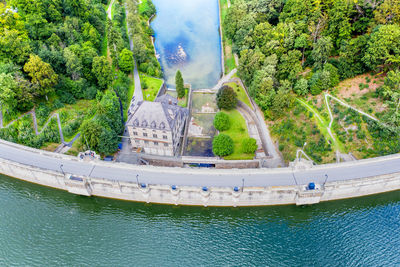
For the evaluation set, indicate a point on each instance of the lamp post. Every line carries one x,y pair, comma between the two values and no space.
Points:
61,167
242,184
326,178
137,179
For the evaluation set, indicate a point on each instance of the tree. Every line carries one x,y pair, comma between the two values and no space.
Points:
8,87
388,12
180,89
139,49
290,65
101,69
302,42
226,98
249,145
222,145
321,51
73,64
383,47
126,60
301,87
221,121
42,74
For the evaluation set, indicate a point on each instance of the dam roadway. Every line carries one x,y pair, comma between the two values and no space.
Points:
199,177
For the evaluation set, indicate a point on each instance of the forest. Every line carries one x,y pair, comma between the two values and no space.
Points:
296,49
67,57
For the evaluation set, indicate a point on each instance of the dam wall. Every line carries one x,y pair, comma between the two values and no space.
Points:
197,195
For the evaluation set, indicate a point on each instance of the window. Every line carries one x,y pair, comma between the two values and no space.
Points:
154,135
144,134
165,137
165,144
137,141
134,133
156,143
146,142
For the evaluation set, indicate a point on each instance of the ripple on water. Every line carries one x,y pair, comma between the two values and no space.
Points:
41,226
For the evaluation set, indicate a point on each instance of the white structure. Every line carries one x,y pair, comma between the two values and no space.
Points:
157,126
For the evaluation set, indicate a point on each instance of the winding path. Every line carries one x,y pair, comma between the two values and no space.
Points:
35,126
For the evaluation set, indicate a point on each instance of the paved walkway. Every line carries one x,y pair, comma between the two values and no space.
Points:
224,79
200,177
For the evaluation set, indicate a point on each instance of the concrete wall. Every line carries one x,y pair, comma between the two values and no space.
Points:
192,195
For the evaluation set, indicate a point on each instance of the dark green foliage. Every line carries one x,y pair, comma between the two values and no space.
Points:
222,145
221,121
226,98
249,145
126,60
102,131
180,89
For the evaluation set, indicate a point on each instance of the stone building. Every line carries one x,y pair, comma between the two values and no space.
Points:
157,127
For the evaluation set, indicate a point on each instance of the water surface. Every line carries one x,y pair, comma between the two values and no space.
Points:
187,38
41,226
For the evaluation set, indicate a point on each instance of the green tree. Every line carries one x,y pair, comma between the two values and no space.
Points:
321,51
73,63
249,145
388,12
226,98
42,74
301,87
8,87
290,65
126,60
222,145
383,47
101,69
180,89
221,121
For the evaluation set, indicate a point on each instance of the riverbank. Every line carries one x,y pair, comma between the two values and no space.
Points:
201,187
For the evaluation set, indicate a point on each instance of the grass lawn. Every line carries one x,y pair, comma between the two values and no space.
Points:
182,101
50,146
238,131
241,94
229,59
323,124
77,147
153,85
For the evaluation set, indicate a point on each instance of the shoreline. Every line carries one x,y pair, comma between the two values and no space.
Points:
179,186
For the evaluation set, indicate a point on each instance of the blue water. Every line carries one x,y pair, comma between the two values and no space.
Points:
187,38
41,226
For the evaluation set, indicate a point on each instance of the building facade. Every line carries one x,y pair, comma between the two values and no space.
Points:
157,127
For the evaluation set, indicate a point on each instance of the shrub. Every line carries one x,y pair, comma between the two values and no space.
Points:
226,98
249,145
222,145
221,121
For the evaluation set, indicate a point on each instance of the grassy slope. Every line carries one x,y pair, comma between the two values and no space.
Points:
153,85
227,44
238,131
241,94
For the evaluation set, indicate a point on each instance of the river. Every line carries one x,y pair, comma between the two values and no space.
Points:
187,38
43,226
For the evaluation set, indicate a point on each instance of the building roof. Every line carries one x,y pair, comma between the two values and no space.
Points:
160,114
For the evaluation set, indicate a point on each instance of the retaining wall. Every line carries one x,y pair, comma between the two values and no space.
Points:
201,196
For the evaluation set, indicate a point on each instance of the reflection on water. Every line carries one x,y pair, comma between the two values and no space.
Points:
187,38
40,225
